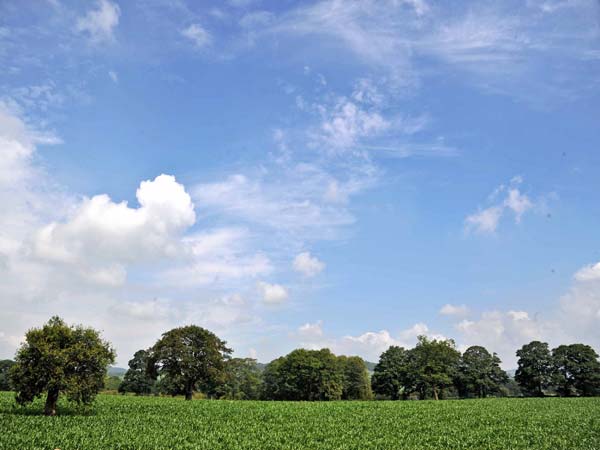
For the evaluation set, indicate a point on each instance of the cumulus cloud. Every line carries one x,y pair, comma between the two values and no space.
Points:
588,273
101,233
454,310
486,221
308,265
311,330
371,344
272,293
101,22
198,35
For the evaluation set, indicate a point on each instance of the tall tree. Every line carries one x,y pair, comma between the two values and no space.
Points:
356,384
433,364
193,356
304,375
576,370
58,358
479,373
242,380
138,378
534,368
5,366
390,376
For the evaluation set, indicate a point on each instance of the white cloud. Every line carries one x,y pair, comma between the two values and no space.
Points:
347,124
198,35
272,293
101,233
454,310
100,23
308,265
293,200
486,221
588,273
371,344
490,45
518,203
311,330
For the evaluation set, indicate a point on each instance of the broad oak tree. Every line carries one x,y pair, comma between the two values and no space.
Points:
58,358
192,356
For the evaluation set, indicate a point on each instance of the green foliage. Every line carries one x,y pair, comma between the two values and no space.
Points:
112,383
391,373
191,358
58,359
479,373
304,375
535,365
576,370
242,380
432,367
152,423
5,366
138,378
356,384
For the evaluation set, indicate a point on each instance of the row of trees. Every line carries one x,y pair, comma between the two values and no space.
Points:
435,368
60,359
568,370
301,375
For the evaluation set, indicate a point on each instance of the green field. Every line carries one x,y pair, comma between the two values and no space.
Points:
150,423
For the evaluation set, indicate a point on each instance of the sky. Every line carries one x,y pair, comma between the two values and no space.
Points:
324,173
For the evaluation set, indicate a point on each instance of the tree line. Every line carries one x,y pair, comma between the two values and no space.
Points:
58,359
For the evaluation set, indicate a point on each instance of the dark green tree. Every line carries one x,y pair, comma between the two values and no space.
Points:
242,380
356,384
432,366
58,358
534,368
479,373
390,376
304,375
576,370
273,381
192,358
138,378
5,366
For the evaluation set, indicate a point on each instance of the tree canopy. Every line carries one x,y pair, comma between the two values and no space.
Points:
576,370
534,371
5,366
304,375
191,358
58,358
242,381
138,378
391,373
479,373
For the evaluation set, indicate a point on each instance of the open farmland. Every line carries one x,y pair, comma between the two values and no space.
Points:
125,422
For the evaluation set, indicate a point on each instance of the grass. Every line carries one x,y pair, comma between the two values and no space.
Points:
118,422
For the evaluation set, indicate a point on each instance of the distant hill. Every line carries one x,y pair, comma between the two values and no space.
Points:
116,371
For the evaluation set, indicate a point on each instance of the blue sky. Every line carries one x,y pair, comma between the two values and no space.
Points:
316,173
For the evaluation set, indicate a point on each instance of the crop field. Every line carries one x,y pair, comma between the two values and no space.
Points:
117,422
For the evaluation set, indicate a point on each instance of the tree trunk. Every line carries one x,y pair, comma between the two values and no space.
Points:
435,393
51,399
189,391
